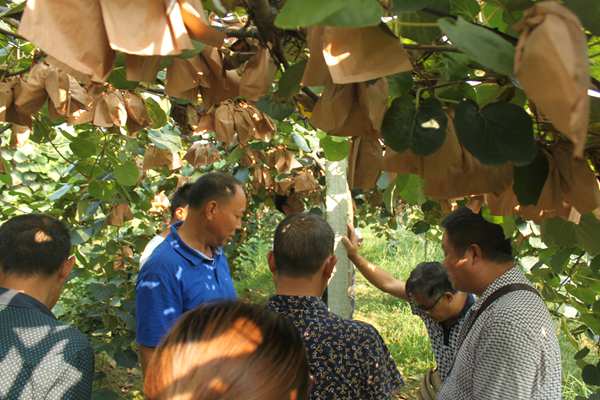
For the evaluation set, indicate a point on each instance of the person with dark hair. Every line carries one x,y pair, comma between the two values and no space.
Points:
40,357
508,347
229,351
189,268
179,210
432,298
348,359
288,205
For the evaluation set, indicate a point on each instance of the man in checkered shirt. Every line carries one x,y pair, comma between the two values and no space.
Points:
431,296
511,350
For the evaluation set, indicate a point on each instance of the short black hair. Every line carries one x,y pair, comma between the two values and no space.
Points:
429,279
180,198
212,186
465,228
302,243
280,201
33,244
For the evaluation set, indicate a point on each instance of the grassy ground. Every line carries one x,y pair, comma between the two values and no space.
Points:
404,333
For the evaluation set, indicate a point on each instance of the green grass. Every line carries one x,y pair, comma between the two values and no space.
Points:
403,332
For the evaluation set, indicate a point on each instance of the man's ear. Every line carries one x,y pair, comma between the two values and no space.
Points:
66,268
329,266
210,209
271,260
474,253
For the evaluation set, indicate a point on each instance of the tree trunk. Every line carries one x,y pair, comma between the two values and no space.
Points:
338,204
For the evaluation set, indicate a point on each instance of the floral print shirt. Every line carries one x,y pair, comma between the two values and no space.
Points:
348,359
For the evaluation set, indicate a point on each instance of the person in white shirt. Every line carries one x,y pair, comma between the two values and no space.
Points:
179,210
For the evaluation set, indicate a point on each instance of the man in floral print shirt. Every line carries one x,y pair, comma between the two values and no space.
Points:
348,359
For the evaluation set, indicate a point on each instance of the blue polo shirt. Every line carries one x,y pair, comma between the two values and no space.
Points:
176,279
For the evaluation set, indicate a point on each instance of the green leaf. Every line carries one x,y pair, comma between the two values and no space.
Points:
127,174
166,138
559,232
118,78
580,355
465,8
126,359
422,26
529,180
300,13
595,264
158,117
276,108
588,234
420,227
60,192
591,375
289,84
400,6
356,13
588,12
105,394
84,147
498,133
42,129
409,187
301,142
336,148
422,130
102,190
189,53
560,260
514,5
482,45
400,84
486,93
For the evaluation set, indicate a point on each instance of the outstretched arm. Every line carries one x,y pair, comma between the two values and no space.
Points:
378,277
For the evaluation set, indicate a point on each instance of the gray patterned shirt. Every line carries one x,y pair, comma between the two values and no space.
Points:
444,337
511,351
40,357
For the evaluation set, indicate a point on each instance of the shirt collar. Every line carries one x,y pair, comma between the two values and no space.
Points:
192,255
12,298
513,275
299,303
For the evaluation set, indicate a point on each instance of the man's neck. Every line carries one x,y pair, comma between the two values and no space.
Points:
37,287
489,273
286,286
193,234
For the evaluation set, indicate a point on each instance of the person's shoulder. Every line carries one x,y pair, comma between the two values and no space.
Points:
363,330
161,259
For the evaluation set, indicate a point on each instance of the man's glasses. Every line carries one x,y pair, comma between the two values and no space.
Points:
431,307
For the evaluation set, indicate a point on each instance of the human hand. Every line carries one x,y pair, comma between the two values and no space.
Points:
351,242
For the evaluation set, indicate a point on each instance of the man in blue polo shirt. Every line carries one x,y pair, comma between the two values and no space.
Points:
189,268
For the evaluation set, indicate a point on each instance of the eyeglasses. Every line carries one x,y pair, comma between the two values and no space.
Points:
431,307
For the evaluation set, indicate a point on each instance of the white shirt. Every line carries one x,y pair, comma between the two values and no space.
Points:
149,249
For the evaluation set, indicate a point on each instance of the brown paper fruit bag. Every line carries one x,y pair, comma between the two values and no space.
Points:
551,64
363,54
258,75
72,31
366,162
145,27
316,72
201,154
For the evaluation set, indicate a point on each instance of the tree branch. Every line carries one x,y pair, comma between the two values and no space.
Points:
431,47
11,34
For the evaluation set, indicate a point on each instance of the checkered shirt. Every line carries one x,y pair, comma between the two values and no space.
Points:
511,352
443,338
